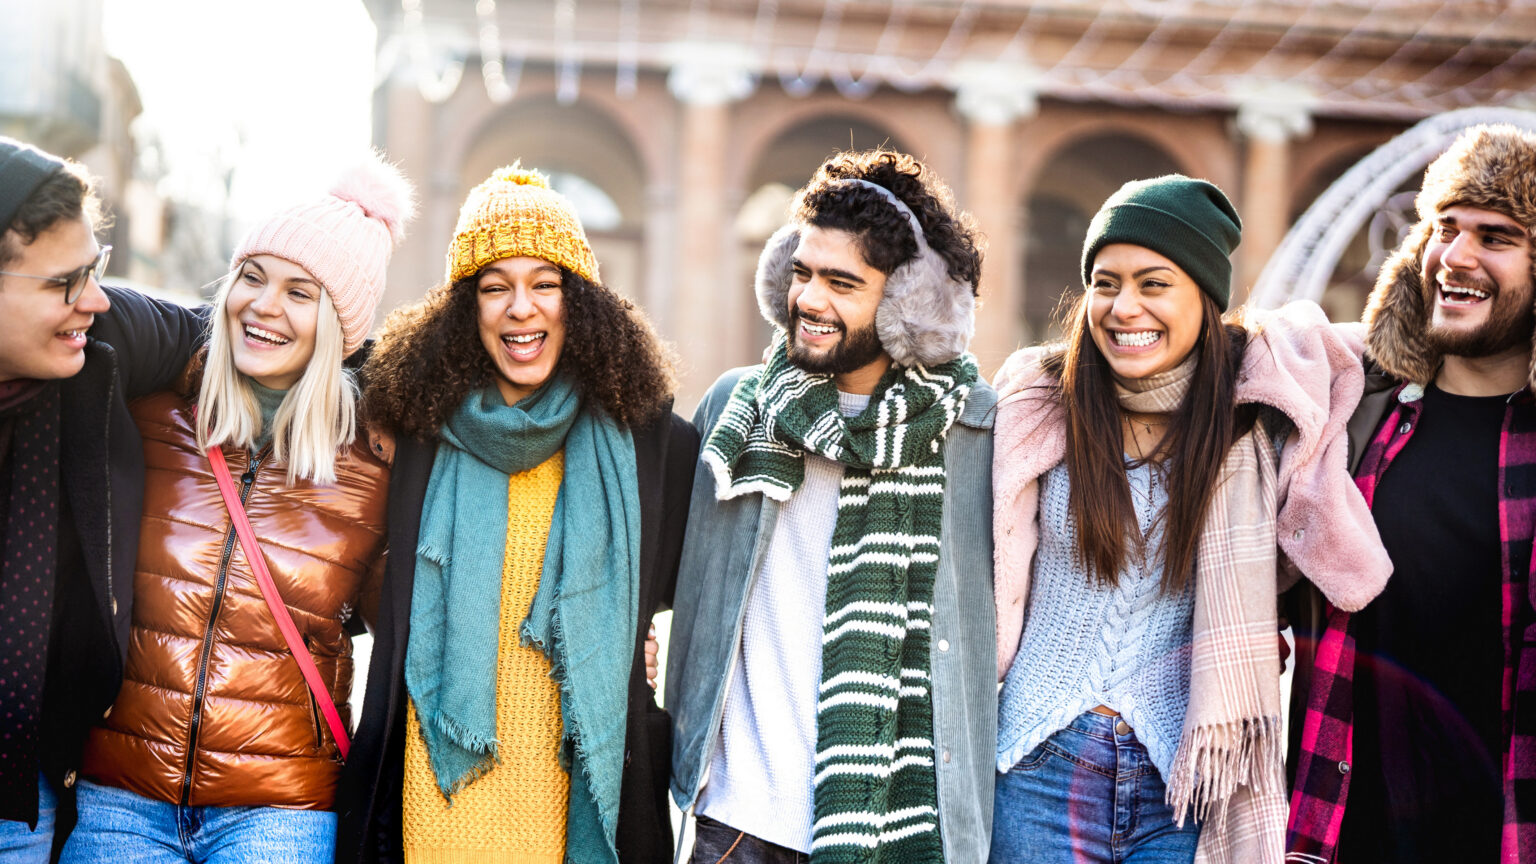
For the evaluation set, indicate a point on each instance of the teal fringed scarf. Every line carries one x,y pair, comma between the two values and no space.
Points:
876,793
589,586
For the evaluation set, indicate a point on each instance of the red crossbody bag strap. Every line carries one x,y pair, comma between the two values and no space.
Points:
275,601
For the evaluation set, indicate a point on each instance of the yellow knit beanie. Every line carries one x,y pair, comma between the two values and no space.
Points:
514,213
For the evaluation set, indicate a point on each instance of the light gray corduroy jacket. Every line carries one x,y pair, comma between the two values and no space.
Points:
722,553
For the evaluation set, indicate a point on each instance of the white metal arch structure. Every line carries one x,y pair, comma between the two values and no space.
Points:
1301,267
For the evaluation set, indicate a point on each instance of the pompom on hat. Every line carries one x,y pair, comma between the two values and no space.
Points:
515,213
344,240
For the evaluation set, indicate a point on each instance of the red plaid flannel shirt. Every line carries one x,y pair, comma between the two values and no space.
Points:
1323,764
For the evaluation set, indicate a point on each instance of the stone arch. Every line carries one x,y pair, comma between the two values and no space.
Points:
1066,190
1198,145
782,117
1302,266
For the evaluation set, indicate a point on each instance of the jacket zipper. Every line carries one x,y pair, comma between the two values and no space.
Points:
314,706
247,481
107,487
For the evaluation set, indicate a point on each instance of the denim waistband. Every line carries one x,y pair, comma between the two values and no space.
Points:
1101,726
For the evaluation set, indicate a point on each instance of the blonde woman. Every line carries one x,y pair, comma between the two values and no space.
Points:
220,746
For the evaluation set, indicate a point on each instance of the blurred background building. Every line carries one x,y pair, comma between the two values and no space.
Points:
682,127
62,92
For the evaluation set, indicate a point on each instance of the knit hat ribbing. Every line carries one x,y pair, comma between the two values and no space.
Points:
344,240
23,168
1190,222
513,213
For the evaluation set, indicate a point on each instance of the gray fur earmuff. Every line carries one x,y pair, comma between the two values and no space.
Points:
925,318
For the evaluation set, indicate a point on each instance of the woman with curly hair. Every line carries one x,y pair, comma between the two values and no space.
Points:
537,506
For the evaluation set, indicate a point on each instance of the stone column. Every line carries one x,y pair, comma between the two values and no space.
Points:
993,98
706,79
1268,118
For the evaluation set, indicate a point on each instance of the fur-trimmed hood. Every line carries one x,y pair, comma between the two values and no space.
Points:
1490,167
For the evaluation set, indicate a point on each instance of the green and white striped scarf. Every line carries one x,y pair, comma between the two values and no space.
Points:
876,790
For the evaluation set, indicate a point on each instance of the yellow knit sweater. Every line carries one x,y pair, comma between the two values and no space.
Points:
514,813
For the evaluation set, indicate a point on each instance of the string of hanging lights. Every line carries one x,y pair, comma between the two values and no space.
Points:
1376,62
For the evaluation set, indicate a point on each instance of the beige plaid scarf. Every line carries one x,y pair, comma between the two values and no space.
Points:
1229,768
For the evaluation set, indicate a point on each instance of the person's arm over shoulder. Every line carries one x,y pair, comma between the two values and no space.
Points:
677,482
153,339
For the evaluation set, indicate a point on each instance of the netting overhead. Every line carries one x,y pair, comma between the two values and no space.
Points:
1369,58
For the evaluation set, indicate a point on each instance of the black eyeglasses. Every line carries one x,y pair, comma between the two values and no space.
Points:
74,283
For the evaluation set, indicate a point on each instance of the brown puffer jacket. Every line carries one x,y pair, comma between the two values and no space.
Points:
213,708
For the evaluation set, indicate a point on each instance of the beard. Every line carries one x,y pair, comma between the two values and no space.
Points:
853,351
1511,321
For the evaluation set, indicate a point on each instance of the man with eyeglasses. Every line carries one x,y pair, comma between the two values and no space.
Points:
72,354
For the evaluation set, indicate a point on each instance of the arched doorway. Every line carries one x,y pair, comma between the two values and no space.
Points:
1063,198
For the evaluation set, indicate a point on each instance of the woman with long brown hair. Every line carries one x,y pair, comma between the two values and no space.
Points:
1150,476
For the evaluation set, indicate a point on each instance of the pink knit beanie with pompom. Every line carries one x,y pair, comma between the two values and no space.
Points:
343,240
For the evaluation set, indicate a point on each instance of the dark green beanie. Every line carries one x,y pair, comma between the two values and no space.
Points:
1188,221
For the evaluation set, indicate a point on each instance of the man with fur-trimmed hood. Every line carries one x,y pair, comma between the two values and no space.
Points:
832,662
1420,710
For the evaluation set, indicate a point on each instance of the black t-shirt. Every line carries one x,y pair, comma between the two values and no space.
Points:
1428,740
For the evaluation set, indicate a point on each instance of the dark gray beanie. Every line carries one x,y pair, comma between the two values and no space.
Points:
23,168
1190,222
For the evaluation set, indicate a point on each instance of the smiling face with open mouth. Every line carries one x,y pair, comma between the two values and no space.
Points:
833,297
1478,263
522,322
41,336
273,310
1144,312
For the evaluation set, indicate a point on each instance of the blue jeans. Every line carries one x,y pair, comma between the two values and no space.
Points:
1088,794
22,845
120,826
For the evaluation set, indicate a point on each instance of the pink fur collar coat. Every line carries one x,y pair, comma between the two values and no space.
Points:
1296,362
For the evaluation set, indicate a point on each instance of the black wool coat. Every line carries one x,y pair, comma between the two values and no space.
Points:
139,347
371,784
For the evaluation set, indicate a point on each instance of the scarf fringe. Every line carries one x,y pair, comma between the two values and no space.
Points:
489,750
1214,760
573,748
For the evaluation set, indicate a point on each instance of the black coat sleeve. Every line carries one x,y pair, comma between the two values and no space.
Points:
677,481
153,339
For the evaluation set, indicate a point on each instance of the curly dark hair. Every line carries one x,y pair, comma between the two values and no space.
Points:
67,194
429,357
883,235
